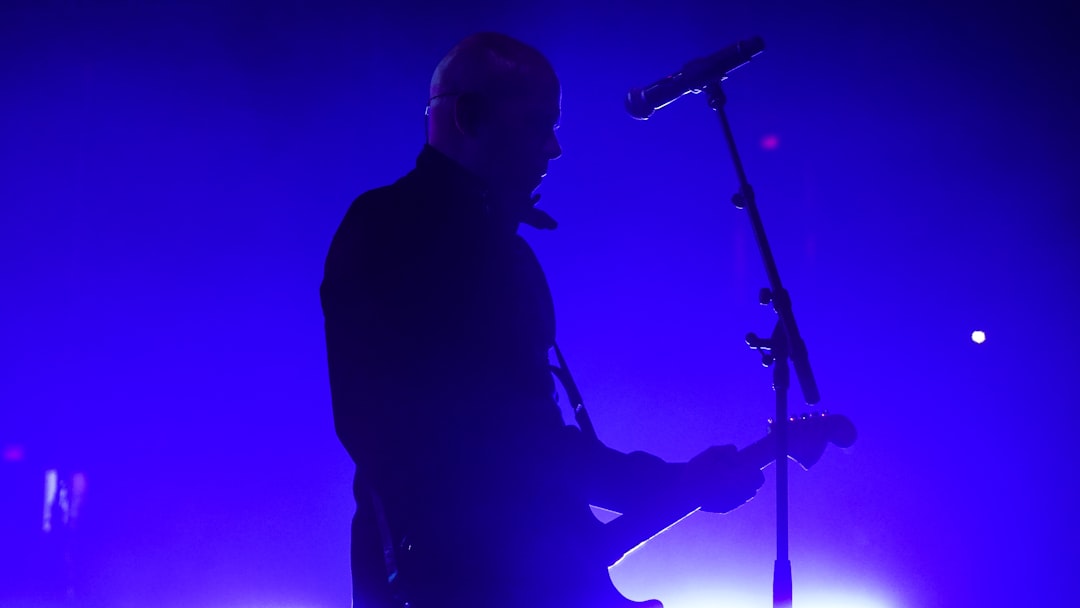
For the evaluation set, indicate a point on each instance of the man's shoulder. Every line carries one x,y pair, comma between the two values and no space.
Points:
378,204
378,212
378,220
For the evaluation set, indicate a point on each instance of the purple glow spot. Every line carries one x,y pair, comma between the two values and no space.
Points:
770,142
13,453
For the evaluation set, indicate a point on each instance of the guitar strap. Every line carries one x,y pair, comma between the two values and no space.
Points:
388,592
562,373
385,535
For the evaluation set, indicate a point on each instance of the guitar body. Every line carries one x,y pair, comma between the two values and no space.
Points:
579,578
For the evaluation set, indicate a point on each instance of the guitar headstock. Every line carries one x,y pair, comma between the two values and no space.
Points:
807,435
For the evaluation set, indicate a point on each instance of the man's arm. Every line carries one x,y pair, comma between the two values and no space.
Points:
715,480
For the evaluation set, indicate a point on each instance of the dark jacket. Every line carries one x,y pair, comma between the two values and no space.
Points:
438,327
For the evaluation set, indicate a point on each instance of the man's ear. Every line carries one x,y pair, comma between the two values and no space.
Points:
470,111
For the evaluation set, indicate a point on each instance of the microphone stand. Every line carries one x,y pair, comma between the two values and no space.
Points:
783,345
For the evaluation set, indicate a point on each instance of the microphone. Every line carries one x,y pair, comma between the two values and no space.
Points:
694,76
539,219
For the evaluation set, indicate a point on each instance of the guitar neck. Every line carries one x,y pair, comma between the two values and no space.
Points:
761,453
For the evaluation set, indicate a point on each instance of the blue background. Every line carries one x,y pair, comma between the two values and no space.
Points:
173,174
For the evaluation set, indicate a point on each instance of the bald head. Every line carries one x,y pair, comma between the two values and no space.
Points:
495,104
491,63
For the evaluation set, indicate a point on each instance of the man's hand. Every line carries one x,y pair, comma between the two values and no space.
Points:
719,480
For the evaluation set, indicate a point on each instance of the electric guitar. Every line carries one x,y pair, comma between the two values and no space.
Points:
807,437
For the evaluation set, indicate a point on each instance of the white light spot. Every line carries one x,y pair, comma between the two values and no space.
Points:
978,337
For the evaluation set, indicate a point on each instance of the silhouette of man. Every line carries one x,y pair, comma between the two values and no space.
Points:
470,489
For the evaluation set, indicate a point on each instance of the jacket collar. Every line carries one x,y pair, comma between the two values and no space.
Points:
464,189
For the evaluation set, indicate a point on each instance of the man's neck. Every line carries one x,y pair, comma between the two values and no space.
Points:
507,210
507,207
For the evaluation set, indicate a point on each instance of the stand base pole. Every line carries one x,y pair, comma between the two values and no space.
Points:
782,584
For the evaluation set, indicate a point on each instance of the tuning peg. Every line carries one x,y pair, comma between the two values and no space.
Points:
764,296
